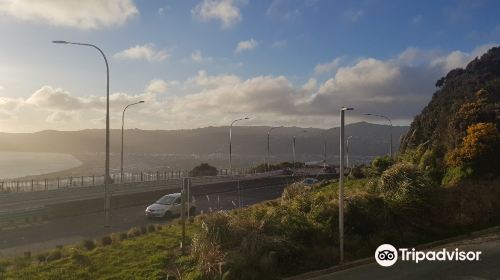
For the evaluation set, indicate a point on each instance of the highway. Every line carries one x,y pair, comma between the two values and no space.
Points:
41,236
488,267
10,202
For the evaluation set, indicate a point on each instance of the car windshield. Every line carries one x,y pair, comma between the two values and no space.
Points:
166,200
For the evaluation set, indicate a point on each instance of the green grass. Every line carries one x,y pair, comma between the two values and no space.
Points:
151,256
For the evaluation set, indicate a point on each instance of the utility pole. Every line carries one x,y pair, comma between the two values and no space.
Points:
230,143
341,184
390,131
123,125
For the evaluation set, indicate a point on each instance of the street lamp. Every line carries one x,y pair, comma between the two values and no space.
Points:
341,184
347,151
123,124
293,147
268,149
324,146
107,199
230,145
390,122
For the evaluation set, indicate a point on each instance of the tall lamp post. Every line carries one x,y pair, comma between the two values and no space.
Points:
390,122
341,184
123,125
293,147
347,151
230,144
324,146
107,199
268,146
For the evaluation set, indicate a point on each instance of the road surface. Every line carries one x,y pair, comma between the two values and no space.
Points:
488,267
47,235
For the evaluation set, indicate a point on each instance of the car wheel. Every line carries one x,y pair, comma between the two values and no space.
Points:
168,214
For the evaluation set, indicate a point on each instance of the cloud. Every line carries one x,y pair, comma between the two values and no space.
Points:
246,45
162,11
226,11
328,68
284,9
2,87
398,87
157,86
55,98
354,16
62,117
145,52
88,14
198,57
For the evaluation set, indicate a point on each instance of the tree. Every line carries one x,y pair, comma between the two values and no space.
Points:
203,169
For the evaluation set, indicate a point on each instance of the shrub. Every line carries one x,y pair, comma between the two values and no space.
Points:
118,237
151,228
455,175
357,172
404,183
88,244
380,164
203,169
106,240
54,255
134,232
41,257
479,149
292,191
79,258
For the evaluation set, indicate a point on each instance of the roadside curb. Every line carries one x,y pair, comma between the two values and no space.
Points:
360,262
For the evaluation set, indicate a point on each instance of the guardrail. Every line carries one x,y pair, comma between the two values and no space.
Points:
33,185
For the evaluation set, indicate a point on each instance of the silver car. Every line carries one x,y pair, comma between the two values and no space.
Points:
168,206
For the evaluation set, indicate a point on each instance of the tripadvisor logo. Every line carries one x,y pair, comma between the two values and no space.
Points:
387,255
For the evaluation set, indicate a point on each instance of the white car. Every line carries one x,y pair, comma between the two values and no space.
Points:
169,206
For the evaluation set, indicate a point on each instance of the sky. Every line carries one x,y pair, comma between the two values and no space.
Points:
199,63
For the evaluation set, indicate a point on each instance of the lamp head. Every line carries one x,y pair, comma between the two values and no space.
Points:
346,109
60,42
142,101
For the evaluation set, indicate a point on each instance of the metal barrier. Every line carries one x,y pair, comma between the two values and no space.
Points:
33,185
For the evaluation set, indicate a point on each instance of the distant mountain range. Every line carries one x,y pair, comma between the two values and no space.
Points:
367,140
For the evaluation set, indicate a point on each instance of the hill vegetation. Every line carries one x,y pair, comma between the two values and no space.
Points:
457,136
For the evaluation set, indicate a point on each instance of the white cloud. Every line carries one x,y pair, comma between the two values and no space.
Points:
157,86
226,11
399,87
198,57
88,14
55,98
310,86
328,68
246,45
145,52
62,117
